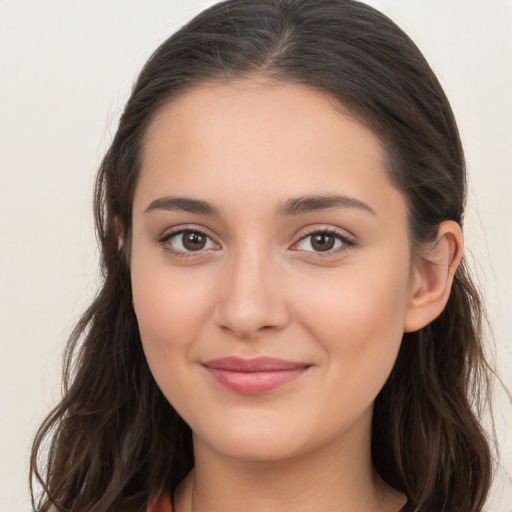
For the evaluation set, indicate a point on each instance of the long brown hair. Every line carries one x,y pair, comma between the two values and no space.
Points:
114,442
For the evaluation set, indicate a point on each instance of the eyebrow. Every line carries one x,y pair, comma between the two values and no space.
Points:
183,204
293,206
306,204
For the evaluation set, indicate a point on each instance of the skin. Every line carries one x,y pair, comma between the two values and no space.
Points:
259,288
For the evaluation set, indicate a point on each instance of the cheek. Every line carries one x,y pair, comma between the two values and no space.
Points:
171,311
361,299
358,317
170,307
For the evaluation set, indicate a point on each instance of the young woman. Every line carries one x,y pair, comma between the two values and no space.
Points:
286,321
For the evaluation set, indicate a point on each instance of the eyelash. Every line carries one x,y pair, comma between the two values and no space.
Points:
163,241
346,242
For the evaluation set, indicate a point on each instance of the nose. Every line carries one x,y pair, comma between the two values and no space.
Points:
252,299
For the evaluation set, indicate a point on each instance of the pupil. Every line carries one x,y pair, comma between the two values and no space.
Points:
323,242
193,241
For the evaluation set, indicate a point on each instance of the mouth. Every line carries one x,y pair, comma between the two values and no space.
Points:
254,376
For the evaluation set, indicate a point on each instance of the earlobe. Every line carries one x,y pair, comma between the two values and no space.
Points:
432,277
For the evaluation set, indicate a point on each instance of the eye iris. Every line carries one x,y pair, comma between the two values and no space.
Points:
322,242
193,241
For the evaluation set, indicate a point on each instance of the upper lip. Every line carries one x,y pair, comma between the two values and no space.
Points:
258,364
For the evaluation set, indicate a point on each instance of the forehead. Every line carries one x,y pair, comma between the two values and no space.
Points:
262,139
249,105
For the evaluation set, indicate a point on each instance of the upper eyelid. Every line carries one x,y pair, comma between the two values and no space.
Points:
167,235
342,234
185,254
323,230
339,236
348,242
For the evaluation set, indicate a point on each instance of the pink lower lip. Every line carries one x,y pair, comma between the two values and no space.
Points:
254,377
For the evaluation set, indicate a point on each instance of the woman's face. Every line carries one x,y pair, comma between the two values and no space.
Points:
271,268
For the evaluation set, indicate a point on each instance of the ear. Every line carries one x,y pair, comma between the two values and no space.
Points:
119,231
432,276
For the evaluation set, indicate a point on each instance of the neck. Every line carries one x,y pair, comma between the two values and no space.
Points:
337,477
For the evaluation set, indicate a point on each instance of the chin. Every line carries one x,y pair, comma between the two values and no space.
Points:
256,442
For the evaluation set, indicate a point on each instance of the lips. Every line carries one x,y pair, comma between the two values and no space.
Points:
254,376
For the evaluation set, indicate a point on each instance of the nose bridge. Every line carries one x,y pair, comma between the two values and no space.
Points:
251,299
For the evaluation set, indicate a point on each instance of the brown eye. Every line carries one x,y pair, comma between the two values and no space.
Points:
322,242
188,241
193,241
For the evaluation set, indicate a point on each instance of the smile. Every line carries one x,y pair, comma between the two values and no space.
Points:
254,376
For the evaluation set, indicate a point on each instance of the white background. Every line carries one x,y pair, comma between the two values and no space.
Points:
66,69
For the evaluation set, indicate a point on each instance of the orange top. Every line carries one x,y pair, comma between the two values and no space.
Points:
162,504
